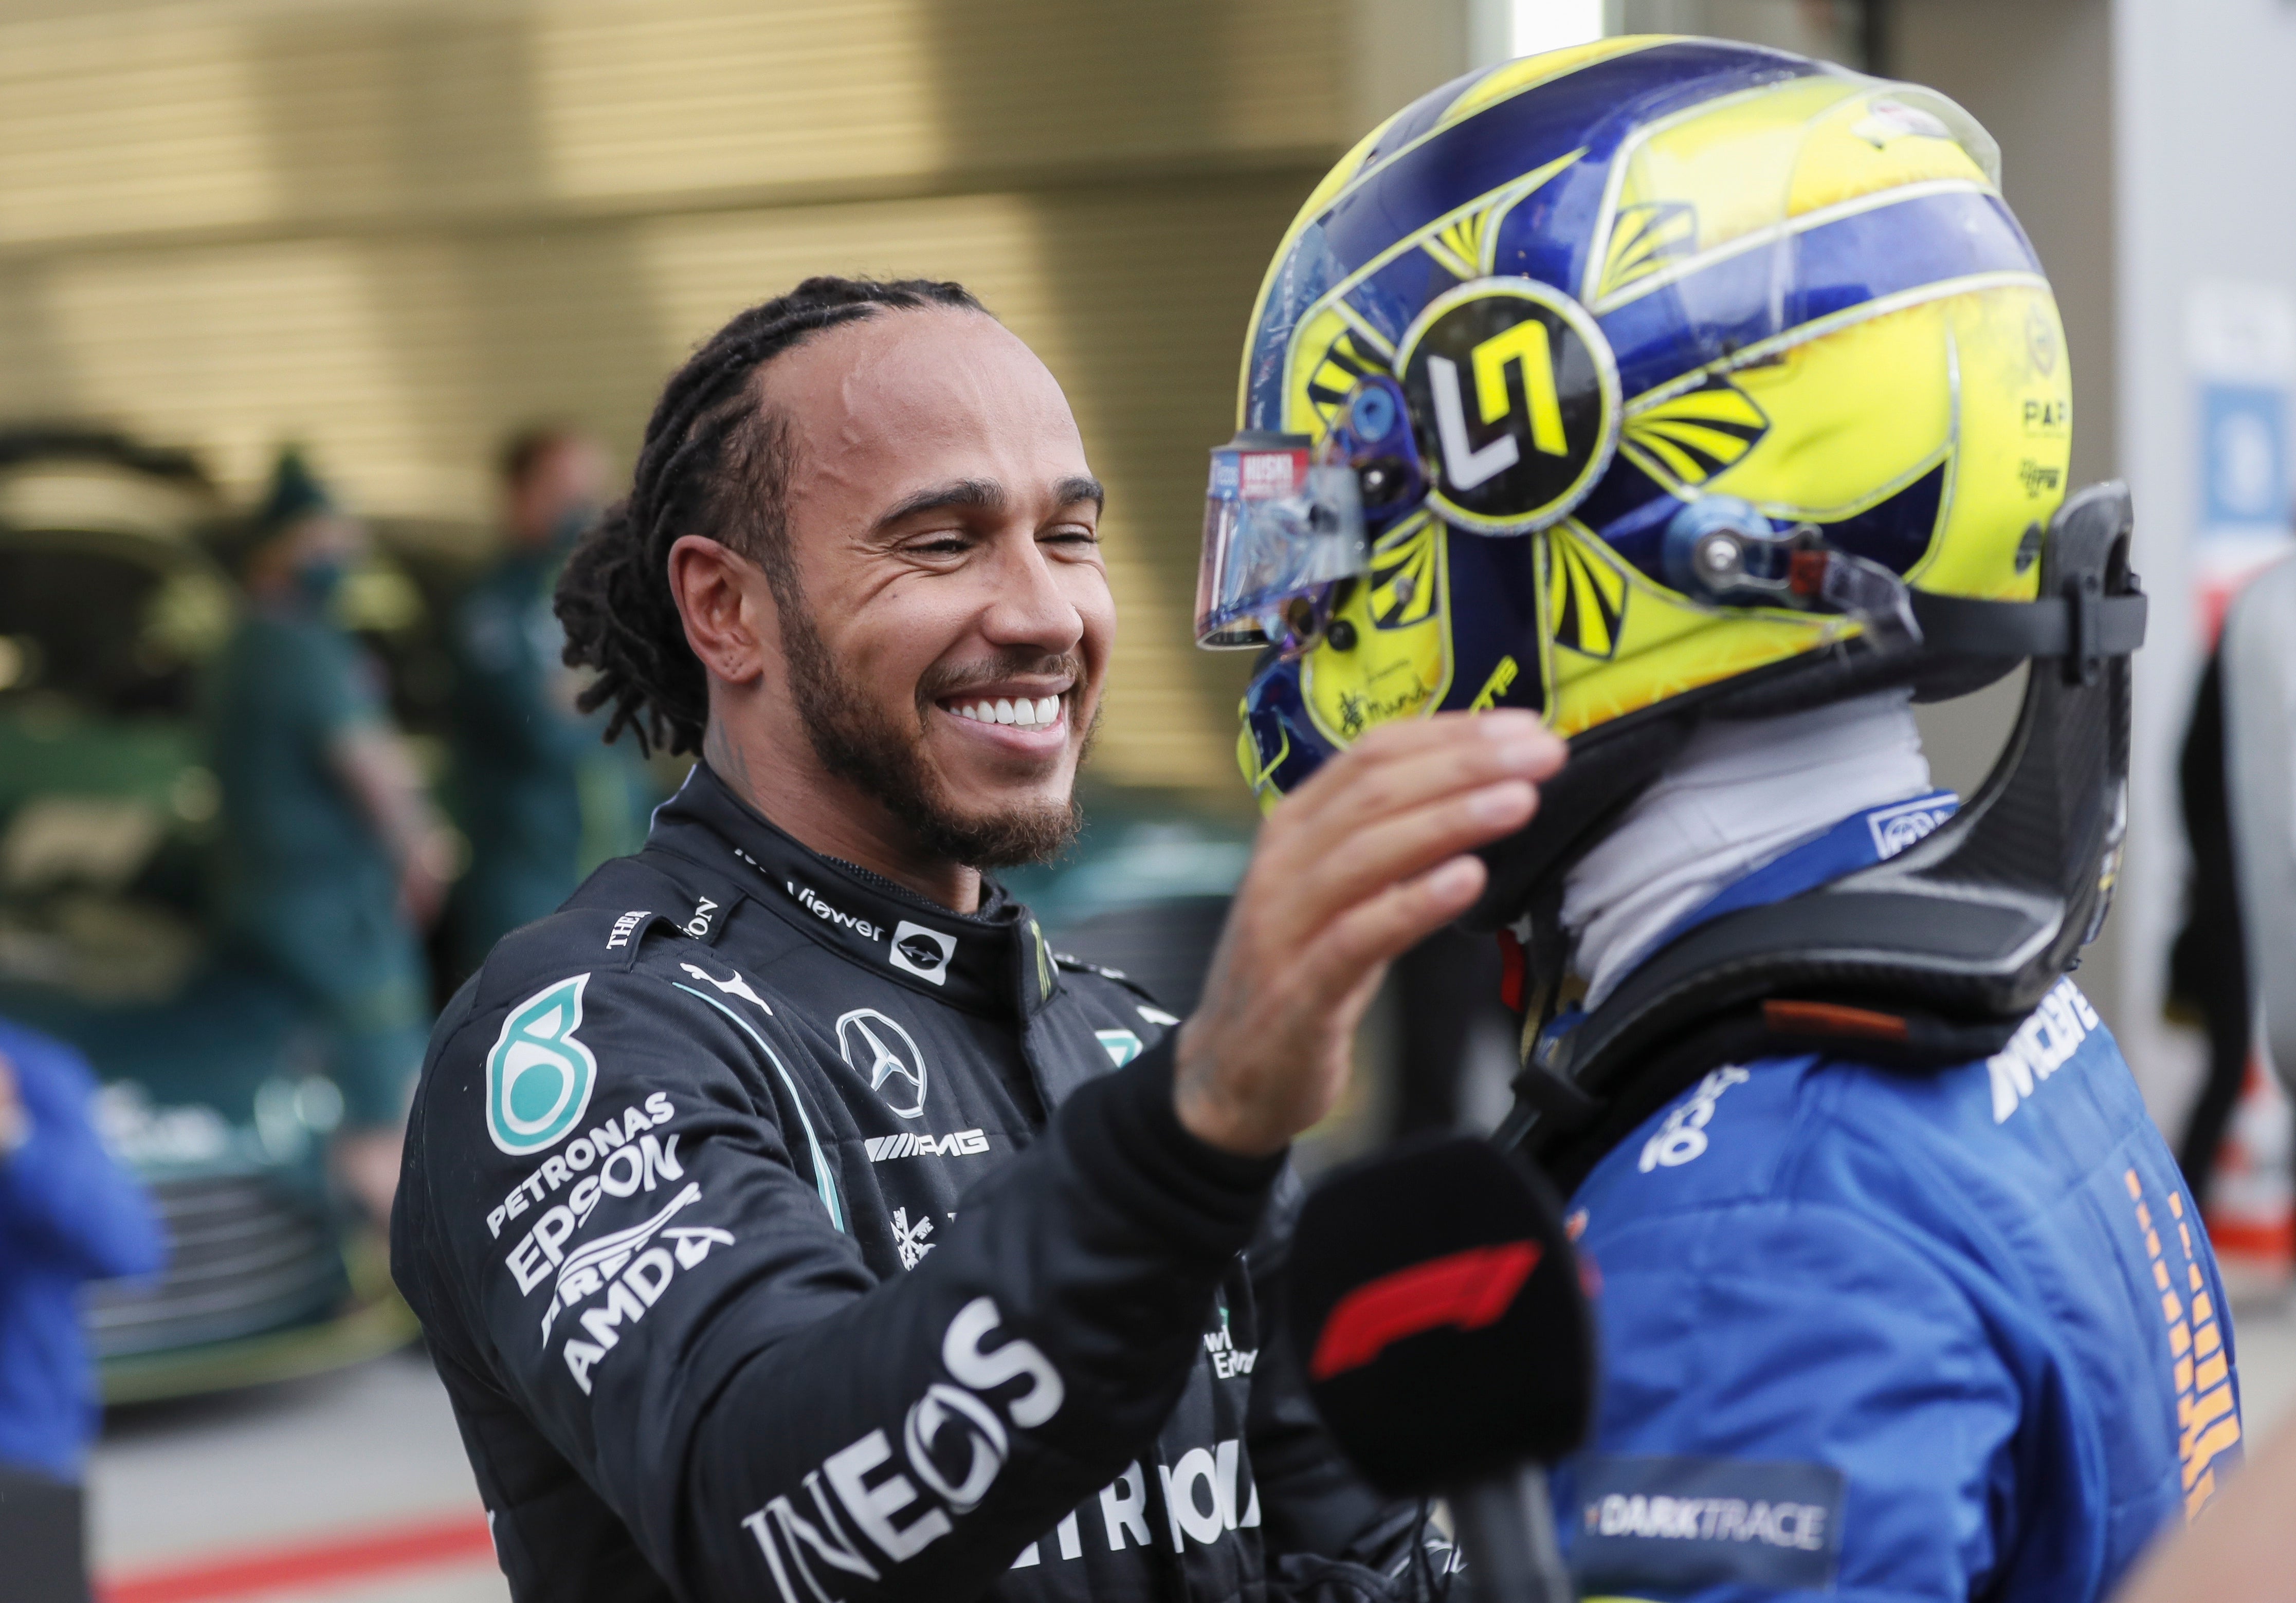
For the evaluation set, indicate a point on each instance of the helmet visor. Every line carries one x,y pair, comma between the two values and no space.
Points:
1280,529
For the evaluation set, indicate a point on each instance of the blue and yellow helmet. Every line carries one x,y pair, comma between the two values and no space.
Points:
1664,370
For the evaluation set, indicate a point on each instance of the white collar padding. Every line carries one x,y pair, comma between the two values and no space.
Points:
1735,797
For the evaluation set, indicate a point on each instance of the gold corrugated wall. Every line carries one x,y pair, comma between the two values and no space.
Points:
395,230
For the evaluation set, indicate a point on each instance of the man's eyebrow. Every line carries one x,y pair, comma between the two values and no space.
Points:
975,495
1083,488
987,495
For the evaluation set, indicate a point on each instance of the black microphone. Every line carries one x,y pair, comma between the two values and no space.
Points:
1438,1313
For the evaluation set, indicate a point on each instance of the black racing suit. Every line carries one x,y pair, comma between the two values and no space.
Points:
781,1235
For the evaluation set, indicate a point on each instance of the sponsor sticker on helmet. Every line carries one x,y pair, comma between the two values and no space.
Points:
539,1074
1514,395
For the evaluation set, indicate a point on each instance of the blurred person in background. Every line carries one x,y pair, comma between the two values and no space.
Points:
334,858
542,798
2208,963
68,1215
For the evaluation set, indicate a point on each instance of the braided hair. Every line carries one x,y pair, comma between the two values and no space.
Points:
715,462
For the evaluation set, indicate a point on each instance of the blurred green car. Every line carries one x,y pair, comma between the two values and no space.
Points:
110,601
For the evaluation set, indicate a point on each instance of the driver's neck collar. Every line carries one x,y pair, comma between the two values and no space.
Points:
987,960
1738,795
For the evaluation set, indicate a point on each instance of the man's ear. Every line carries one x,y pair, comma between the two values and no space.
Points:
727,607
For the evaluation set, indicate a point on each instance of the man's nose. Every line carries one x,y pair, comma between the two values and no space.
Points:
1028,606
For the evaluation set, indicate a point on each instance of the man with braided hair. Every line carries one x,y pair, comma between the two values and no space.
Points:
786,1219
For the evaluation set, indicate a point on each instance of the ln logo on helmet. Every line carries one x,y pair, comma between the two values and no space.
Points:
922,951
873,1045
1514,395
539,1074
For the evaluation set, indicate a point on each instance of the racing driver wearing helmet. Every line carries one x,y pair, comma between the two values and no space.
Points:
1710,402
787,1221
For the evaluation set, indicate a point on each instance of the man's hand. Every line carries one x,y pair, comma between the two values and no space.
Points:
366,1162
424,873
376,768
1361,863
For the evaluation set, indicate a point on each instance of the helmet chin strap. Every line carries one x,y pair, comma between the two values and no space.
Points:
1739,794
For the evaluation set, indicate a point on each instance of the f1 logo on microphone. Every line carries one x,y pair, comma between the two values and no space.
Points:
1467,1290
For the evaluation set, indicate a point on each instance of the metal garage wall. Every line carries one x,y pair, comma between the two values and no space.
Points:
394,230
2038,75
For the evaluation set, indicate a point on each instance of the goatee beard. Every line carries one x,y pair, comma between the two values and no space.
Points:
860,745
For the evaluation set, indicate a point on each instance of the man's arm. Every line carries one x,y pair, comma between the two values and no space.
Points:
61,1196
325,692
705,1347
681,1315
373,765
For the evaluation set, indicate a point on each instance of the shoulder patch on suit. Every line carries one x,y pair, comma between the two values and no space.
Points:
541,1074
604,940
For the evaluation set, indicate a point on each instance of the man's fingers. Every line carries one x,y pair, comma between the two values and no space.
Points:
1397,764
1454,885
1360,863
1428,752
1371,859
1298,845
1388,925
1413,735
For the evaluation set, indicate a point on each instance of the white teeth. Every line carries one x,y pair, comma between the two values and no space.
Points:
1027,712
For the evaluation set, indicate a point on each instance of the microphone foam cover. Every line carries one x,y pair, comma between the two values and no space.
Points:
1436,1312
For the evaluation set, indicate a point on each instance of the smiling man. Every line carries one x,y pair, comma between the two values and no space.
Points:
787,1220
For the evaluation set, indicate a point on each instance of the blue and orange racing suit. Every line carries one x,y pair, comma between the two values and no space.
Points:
1891,1335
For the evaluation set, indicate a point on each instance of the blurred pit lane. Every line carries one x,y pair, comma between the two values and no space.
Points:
352,1488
